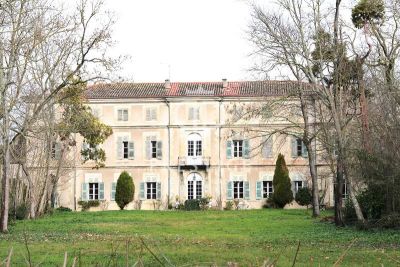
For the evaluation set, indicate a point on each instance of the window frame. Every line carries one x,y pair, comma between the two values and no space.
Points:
93,191
297,187
151,190
238,190
125,149
153,149
237,146
121,117
267,189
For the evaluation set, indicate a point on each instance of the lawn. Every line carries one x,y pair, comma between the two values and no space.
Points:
196,238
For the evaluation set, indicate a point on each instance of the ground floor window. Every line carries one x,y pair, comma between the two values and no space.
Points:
93,191
238,191
267,189
151,190
297,186
345,190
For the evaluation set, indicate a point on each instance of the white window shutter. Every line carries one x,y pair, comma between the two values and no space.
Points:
131,150
120,148
229,191
246,149
125,115
154,114
101,191
113,190
148,115
158,189
197,114
148,148
85,191
229,149
304,151
57,152
294,146
142,191
159,150
191,113
246,188
119,114
259,190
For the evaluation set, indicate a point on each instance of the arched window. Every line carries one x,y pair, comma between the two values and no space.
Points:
194,145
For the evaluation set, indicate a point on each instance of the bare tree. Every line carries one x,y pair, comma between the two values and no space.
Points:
43,48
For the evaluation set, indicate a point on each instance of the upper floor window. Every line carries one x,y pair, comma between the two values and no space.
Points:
194,145
151,114
267,147
194,113
298,148
95,112
238,149
153,148
55,150
125,148
122,114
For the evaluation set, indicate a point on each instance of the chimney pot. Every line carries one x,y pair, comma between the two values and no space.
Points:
167,84
224,83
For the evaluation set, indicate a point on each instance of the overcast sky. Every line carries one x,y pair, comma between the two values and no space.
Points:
184,40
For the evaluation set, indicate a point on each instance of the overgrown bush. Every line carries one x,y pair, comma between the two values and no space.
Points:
372,203
192,204
125,190
86,205
282,186
63,209
21,212
204,203
269,203
304,197
229,205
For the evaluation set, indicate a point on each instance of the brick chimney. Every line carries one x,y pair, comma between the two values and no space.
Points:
167,84
224,83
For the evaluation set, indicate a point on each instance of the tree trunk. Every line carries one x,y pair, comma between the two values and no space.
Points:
314,178
32,201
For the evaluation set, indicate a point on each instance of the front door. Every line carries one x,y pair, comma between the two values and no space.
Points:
194,186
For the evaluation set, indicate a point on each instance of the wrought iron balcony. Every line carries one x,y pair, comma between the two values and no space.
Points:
194,162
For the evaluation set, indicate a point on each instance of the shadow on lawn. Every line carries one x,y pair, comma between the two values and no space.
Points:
159,257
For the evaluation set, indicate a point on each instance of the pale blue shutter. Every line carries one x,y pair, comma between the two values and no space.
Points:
126,115
131,150
267,149
259,187
246,190
154,114
304,151
294,147
84,192
246,149
57,150
229,192
141,193
159,150
158,189
119,115
101,191
120,149
113,189
229,149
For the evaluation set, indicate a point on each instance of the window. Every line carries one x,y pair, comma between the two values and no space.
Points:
267,147
345,192
93,191
194,113
195,189
238,191
298,185
153,149
122,115
151,114
267,189
298,148
126,149
95,112
237,148
151,190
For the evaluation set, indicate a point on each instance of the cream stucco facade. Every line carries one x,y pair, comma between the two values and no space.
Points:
181,147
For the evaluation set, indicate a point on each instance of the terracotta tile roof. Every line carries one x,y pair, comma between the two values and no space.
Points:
188,89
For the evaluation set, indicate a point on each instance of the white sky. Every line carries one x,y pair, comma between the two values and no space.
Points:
198,40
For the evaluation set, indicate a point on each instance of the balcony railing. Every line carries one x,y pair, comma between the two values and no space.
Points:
198,161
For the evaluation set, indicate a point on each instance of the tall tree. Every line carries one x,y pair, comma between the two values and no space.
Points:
43,46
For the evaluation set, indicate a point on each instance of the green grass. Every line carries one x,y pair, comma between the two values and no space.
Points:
247,237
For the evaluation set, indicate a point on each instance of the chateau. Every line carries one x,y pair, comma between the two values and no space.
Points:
178,142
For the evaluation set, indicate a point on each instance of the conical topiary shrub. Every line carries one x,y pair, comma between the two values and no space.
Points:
125,190
282,187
